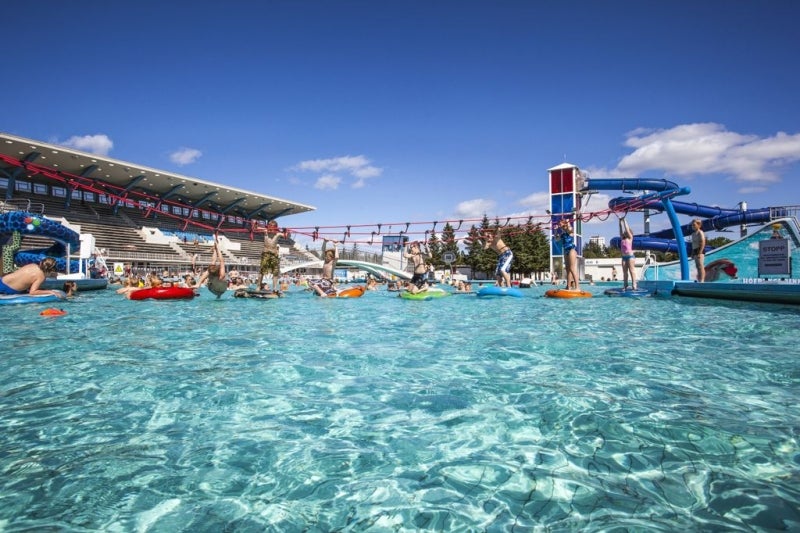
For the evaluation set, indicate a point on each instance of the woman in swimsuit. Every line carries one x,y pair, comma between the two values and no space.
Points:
570,254
628,259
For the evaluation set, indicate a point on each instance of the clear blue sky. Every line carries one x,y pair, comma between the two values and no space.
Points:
385,112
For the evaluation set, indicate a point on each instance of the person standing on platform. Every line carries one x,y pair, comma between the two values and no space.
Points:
628,259
570,251
698,249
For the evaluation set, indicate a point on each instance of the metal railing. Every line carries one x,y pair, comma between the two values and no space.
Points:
21,204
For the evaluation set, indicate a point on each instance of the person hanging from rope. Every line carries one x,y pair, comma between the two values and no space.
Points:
502,272
628,259
570,252
214,276
417,257
270,258
326,286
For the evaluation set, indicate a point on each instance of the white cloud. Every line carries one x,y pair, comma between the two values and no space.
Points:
708,148
185,156
475,208
751,190
98,144
536,203
359,167
327,181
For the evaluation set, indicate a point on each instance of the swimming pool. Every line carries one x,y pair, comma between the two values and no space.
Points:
382,414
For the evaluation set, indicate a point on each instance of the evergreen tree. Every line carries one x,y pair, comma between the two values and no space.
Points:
449,243
593,250
474,248
435,249
716,242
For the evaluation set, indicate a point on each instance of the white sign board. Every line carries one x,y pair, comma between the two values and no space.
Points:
773,257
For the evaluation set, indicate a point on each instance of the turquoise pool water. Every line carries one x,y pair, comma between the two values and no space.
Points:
382,414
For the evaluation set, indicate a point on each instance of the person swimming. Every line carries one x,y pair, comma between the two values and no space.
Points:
29,278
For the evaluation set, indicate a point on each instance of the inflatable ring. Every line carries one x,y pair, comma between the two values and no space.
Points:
566,293
430,294
494,290
163,293
26,298
351,292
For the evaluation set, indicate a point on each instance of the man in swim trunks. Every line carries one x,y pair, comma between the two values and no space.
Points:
270,256
502,272
699,249
29,278
325,286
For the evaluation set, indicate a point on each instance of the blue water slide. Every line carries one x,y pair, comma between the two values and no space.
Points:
630,184
662,192
715,218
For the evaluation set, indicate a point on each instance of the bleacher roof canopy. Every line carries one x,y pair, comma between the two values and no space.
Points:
36,161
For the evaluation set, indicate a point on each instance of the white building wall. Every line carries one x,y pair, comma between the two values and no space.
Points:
599,269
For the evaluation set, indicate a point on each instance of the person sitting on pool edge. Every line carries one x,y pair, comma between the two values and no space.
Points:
29,278
502,272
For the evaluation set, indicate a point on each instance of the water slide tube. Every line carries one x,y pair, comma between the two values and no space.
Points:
663,192
27,223
715,219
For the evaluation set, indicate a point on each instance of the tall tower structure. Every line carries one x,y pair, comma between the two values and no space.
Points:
566,182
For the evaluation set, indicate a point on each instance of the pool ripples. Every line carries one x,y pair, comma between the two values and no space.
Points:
386,414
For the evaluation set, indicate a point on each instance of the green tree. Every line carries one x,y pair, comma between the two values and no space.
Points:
531,249
593,250
476,257
716,242
449,243
435,249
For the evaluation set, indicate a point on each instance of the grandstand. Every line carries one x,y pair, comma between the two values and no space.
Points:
146,218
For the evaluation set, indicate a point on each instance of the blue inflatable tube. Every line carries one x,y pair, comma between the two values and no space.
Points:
494,290
9,299
630,293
